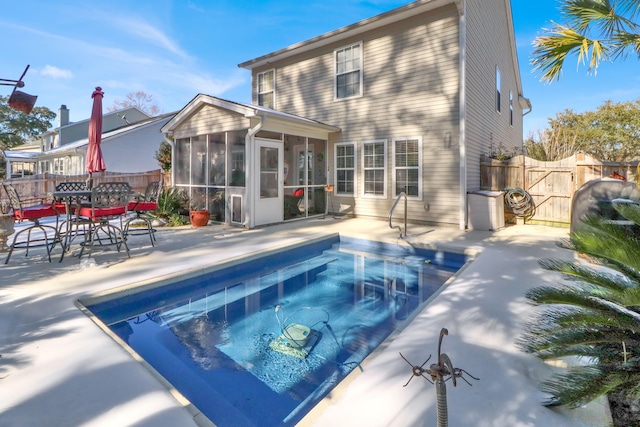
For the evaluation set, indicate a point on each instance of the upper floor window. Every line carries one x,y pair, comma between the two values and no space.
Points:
374,156
498,104
345,154
348,82
511,108
266,89
407,153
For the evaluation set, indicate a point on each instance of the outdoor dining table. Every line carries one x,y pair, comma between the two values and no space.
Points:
72,200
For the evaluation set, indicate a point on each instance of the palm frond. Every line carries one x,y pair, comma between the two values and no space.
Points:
582,342
580,385
595,30
595,281
584,300
600,13
550,51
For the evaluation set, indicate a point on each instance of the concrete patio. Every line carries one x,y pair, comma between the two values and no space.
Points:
58,368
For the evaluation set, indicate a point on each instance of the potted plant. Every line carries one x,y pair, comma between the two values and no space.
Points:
198,212
6,223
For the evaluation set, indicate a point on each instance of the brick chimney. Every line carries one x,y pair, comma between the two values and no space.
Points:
63,116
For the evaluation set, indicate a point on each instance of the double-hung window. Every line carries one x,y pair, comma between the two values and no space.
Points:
266,89
348,69
407,153
498,95
511,108
374,154
345,155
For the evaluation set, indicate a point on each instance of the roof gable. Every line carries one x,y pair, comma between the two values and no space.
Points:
349,31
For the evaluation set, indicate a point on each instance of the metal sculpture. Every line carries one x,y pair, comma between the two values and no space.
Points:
439,372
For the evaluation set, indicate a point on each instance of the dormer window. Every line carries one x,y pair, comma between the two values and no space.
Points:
348,68
266,89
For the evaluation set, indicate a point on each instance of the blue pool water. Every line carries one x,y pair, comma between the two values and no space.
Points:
218,338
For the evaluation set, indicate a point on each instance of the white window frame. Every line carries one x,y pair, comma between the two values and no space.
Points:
263,92
354,169
498,91
396,167
384,169
336,74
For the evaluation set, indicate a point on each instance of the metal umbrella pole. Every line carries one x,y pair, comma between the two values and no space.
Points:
440,372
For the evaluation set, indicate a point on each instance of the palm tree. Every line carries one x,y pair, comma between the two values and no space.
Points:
594,316
596,30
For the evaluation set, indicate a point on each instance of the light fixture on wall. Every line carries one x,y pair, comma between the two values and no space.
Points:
19,100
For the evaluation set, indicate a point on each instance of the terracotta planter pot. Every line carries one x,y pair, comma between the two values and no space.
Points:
199,218
6,230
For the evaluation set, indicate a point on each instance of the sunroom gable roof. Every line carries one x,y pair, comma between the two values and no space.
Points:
247,110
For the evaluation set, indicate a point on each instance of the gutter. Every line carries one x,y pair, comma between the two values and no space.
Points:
463,212
249,144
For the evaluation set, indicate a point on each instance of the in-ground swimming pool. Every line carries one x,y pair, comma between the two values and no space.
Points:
259,343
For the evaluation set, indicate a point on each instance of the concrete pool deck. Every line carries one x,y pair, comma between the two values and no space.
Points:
58,368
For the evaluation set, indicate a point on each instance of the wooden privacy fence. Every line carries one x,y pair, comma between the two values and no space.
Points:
550,184
39,185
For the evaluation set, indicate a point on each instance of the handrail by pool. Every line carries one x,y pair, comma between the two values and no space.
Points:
405,214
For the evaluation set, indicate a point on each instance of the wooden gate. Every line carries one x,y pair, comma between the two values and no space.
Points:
552,191
550,184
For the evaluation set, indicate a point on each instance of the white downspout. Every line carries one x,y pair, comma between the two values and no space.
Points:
463,116
249,144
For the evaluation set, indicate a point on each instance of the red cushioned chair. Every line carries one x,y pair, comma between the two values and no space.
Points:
33,210
61,206
108,202
142,206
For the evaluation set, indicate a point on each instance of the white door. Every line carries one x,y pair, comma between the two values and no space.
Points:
269,206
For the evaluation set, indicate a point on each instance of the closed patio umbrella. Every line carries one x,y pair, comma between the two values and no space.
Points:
94,160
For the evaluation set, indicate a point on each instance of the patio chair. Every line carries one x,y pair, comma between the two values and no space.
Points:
33,210
142,206
62,205
108,202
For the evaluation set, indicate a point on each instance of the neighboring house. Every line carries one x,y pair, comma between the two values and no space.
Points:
129,149
24,159
68,132
406,101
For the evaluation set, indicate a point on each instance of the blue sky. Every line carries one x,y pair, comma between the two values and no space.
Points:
175,49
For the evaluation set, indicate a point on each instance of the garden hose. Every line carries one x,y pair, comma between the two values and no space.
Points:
519,202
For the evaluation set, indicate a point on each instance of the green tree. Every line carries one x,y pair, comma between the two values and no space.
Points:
594,30
610,133
595,315
16,127
163,156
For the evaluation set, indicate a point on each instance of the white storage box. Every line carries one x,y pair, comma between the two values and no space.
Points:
486,210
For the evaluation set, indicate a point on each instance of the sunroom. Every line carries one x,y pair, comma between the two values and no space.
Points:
249,165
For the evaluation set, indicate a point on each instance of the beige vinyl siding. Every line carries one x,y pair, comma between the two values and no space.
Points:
209,119
411,74
488,47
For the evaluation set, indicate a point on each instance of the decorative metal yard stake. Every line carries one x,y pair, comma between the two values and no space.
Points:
440,372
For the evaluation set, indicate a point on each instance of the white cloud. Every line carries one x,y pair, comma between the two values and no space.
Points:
191,5
56,73
146,31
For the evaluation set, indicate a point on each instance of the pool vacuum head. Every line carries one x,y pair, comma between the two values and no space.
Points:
296,340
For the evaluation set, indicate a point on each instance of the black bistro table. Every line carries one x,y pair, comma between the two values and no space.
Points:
72,200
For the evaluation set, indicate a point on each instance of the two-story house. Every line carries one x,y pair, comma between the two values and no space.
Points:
405,102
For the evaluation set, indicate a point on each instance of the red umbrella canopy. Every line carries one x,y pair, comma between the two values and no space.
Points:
95,162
